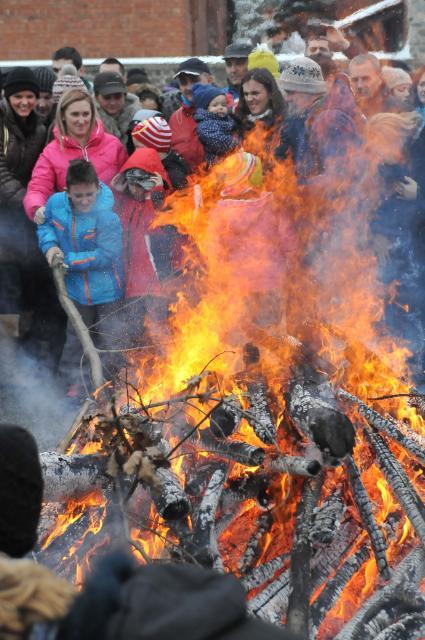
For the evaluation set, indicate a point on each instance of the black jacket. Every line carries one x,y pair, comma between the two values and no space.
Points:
159,602
177,170
19,150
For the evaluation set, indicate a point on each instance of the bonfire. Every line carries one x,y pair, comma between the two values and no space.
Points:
271,431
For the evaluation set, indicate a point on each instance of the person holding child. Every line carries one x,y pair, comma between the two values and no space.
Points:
82,230
216,127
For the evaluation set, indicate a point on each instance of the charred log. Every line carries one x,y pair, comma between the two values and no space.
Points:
67,477
231,449
204,541
271,602
259,415
411,626
312,405
331,593
168,496
406,576
298,614
259,575
399,483
292,465
225,418
406,438
364,507
255,543
327,520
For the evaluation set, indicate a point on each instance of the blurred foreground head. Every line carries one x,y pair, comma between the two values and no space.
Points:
162,601
21,490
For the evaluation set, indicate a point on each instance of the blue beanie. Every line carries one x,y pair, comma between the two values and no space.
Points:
204,93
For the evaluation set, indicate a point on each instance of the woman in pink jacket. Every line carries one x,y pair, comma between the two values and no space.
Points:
77,134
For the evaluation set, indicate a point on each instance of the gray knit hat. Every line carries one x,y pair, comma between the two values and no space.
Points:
303,75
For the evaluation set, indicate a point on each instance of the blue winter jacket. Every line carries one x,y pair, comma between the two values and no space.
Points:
92,246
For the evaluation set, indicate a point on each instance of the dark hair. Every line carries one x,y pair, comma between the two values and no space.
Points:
328,66
416,76
114,61
264,77
81,171
69,53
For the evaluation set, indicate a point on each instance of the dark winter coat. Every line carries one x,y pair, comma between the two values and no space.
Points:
177,170
163,602
19,152
216,134
185,140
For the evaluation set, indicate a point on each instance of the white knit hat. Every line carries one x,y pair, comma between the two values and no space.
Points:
394,77
303,75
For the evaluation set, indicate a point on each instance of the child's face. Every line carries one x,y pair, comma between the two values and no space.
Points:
83,196
218,106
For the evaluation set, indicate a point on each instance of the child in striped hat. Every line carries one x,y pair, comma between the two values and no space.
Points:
155,133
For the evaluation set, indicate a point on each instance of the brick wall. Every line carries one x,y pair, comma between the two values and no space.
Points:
97,28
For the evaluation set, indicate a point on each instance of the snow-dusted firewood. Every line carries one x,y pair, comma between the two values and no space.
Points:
364,507
405,437
67,477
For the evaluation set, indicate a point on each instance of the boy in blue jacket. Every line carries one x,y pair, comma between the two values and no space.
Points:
82,229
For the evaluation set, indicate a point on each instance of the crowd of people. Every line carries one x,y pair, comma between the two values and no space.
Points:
85,168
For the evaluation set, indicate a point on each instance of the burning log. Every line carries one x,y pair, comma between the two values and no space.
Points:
331,593
399,483
312,405
364,507
168,496
255,543
259,575
327,520
405,577
54,551
411,441
235,450
298,613
271,603
67,477
204,540
411,626
292,465
327,558
240,489
259,415
225,418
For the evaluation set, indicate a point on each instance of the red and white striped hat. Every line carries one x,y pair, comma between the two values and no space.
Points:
153,133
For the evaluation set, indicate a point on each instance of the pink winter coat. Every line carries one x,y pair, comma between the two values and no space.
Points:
104,150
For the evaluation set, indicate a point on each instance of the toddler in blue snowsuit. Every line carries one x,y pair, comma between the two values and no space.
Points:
82,229
216,127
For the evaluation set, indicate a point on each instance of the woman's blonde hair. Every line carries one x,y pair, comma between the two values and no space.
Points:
68,98
390,132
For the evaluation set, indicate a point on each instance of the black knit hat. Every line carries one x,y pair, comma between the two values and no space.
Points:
21,490
20,79
45,78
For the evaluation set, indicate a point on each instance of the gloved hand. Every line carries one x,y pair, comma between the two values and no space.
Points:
39,216
53,251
